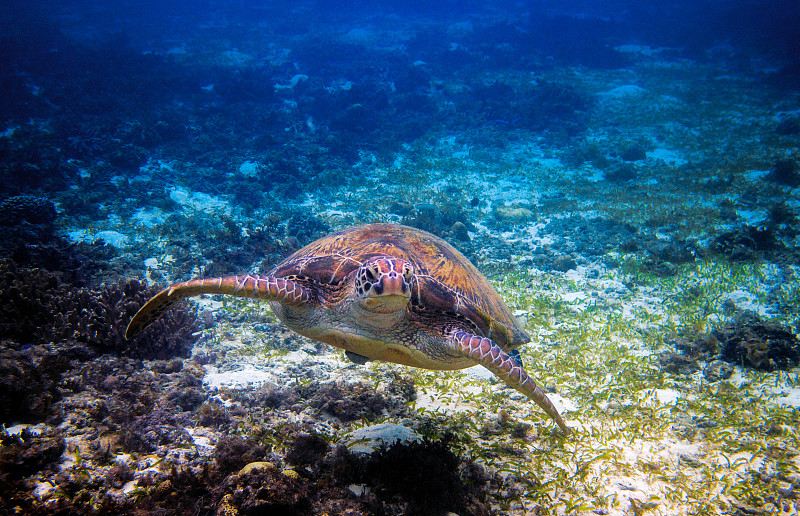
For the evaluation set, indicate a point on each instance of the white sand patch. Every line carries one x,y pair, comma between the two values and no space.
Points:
149,217
369,438
644,50
756,175
199,201
235,58
623,92
667,396
561,403
745,301
294,81
791,398
479,372
203,437
668,156
250,169
112,238
451,402
245,377
752,217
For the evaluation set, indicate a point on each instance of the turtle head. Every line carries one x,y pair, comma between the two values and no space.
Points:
383,284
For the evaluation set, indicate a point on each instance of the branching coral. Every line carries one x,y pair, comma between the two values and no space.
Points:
26,208
99,316
37,308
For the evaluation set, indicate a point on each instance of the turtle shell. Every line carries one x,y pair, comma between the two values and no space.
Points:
448,285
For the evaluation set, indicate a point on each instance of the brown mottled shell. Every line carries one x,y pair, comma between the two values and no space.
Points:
448,284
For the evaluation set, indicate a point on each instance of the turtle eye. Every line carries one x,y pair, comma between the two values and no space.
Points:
407,272
371,274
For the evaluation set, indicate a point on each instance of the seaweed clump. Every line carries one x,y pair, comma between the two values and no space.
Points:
764,345
748,341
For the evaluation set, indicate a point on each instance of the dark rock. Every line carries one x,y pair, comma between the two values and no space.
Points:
233,452
786,172
621,173
718,370
26,392
460,232
564,263
307,449
748,341
630,246
746,243
633,154
782,214
788,126
677,363
400,208
425,474
25,454
672,251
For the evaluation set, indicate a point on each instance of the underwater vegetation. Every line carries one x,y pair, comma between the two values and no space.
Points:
625,174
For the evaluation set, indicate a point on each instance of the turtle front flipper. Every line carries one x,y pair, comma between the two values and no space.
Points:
268,288
488,354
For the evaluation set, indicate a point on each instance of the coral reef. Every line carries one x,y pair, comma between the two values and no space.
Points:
21,456
28,384
26,453
608,206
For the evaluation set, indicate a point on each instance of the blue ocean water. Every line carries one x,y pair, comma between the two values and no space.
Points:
625,174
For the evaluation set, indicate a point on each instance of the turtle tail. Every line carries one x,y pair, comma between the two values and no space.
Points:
258,287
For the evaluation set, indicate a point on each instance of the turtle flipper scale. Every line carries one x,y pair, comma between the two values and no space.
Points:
268,288
505,367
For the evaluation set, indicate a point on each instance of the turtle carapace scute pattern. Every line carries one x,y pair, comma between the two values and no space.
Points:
382,292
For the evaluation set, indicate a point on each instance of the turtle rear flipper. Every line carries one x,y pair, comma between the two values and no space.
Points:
504,366
268,288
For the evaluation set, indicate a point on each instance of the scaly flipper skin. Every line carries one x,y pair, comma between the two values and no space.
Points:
489,355
258,287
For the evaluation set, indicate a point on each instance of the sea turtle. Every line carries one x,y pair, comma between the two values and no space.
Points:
382,292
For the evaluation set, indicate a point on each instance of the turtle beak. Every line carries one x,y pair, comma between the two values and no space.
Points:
391,284
389,294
